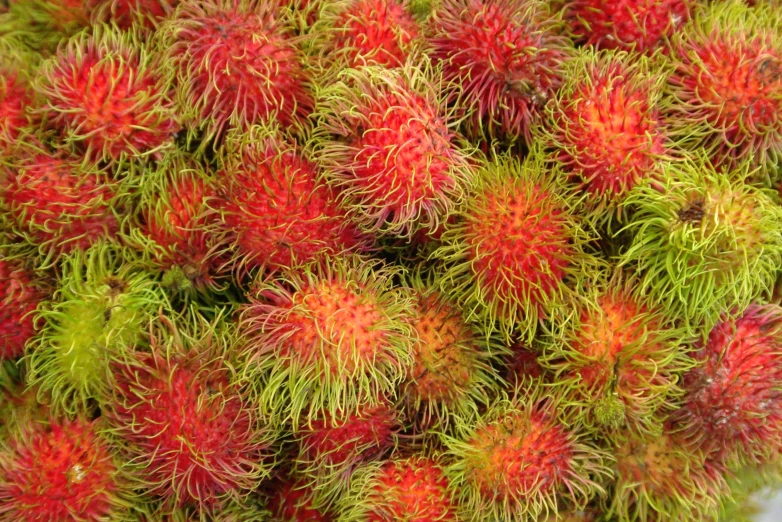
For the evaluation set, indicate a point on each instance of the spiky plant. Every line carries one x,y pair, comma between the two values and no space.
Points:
97,314
618,359
726,87
326,338
387,144
21,290
107,94
42,25
126,13
515,246
704,241
275,210
237,64
16,94
183,417
520,460
506,56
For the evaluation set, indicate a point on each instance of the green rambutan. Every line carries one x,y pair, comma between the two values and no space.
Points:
275,210
520,460
640,25
603,126
42,25
107,94
326,338
21,290
726,84
237,65
387,144
97,314
514,247
704,241
506,56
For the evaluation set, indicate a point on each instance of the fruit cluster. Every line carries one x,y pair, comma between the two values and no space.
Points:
389,260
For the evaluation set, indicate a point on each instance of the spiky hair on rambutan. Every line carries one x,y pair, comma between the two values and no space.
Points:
386,141
726,87
506,55
97,314
291,500
181,411
62,470
237,64
275,210
515,247
16,95
733,407
640,25
127,13
618,358
107,94
42,25
412,488
704,241
603,126
326,338
523,458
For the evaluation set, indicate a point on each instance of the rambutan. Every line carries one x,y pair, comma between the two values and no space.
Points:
275,210
292,501
126,13
704,241
639,25
106,93
506,56
520,460
388,146
237,64
618,359
603,126
514,247
413,489
733,406
726,86
42,25
20,293
181,414
326,338
60,471
16,94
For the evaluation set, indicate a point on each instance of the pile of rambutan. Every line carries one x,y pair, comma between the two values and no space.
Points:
390,260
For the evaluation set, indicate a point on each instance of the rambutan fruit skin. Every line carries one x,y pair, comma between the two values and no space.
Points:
726,86
603,126
20,293
387,145
507,57
516,244
704,241
326,338
60,471
641,25
183,418
41,25
16,94
237,65
275,210
414,489
733,407
291,501
125,13
520,460
108,96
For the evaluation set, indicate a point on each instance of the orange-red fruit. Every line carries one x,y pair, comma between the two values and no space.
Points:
733,406
19,296
291,501
15,98
626,24
58,472
125,13
238,65
506,56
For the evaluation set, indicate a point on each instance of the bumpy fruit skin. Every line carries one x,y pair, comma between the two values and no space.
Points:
125,13
506,56
274,208
520,460
60,471
237,65
733,406
414,489
704,241
603,126
640,25
106,94
20,294
726,86
291,501
513,248
387,144
328,337
16,95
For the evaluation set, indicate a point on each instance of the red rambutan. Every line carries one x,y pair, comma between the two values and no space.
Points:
506,56
16,95
20,293
292,501
126,13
